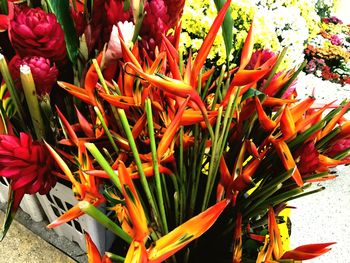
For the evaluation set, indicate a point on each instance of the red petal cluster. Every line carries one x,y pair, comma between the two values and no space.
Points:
309,161
26,163
44,74
36,33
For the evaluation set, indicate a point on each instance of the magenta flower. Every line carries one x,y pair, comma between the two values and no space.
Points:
338,147
161,15
335,40
259,57
36,33
26,163
309,160
44,74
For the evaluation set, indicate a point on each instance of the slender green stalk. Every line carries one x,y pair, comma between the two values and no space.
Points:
11,88
194,178
181,155
114,257
138,162
214,160
274,69
104,164
32,101
148,108
206,87
104,125
100,217
100,76
105,87
290,81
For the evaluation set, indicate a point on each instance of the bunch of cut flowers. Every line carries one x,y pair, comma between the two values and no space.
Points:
328,53
195,163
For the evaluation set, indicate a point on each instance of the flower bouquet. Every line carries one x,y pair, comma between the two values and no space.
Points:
328,53
196,163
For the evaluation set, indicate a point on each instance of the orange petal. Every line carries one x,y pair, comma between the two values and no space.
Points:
76,91
64,167
287,124
173,86
70,132
92,251
248,46
133,203
329,162
171,131
275,236
169,244
122,102
136,253
237,239
208,42
299,110
330,125
84,124
288,160
307,251
266,123
70,215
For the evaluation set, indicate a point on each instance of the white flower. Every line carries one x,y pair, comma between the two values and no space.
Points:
114,50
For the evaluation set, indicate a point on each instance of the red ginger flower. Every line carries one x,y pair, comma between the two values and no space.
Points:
26,163
114,11
36,33
161,15
44,74
259,57
338,147
309,160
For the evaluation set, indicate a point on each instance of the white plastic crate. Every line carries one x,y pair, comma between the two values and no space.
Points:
29,203
57,202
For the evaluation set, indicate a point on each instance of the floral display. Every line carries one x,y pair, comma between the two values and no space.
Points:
195,161
328,53
278,24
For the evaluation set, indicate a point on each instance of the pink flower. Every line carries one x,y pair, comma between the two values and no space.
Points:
309,161
26,163
259,57
114,50
161,15
338,147
36,33
44,74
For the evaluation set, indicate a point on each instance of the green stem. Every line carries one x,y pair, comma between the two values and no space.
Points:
11,88
100,76
104,125
32,101
138,162
100,217
104,164
114,257
155,164
214,160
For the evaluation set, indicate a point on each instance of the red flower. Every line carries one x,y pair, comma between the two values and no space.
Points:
161,15
259,57
36,33
26,163
44,74
338,147
114,12
309,160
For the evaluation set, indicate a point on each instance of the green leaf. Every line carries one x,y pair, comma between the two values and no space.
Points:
227,27
4,7
252,93
61,10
